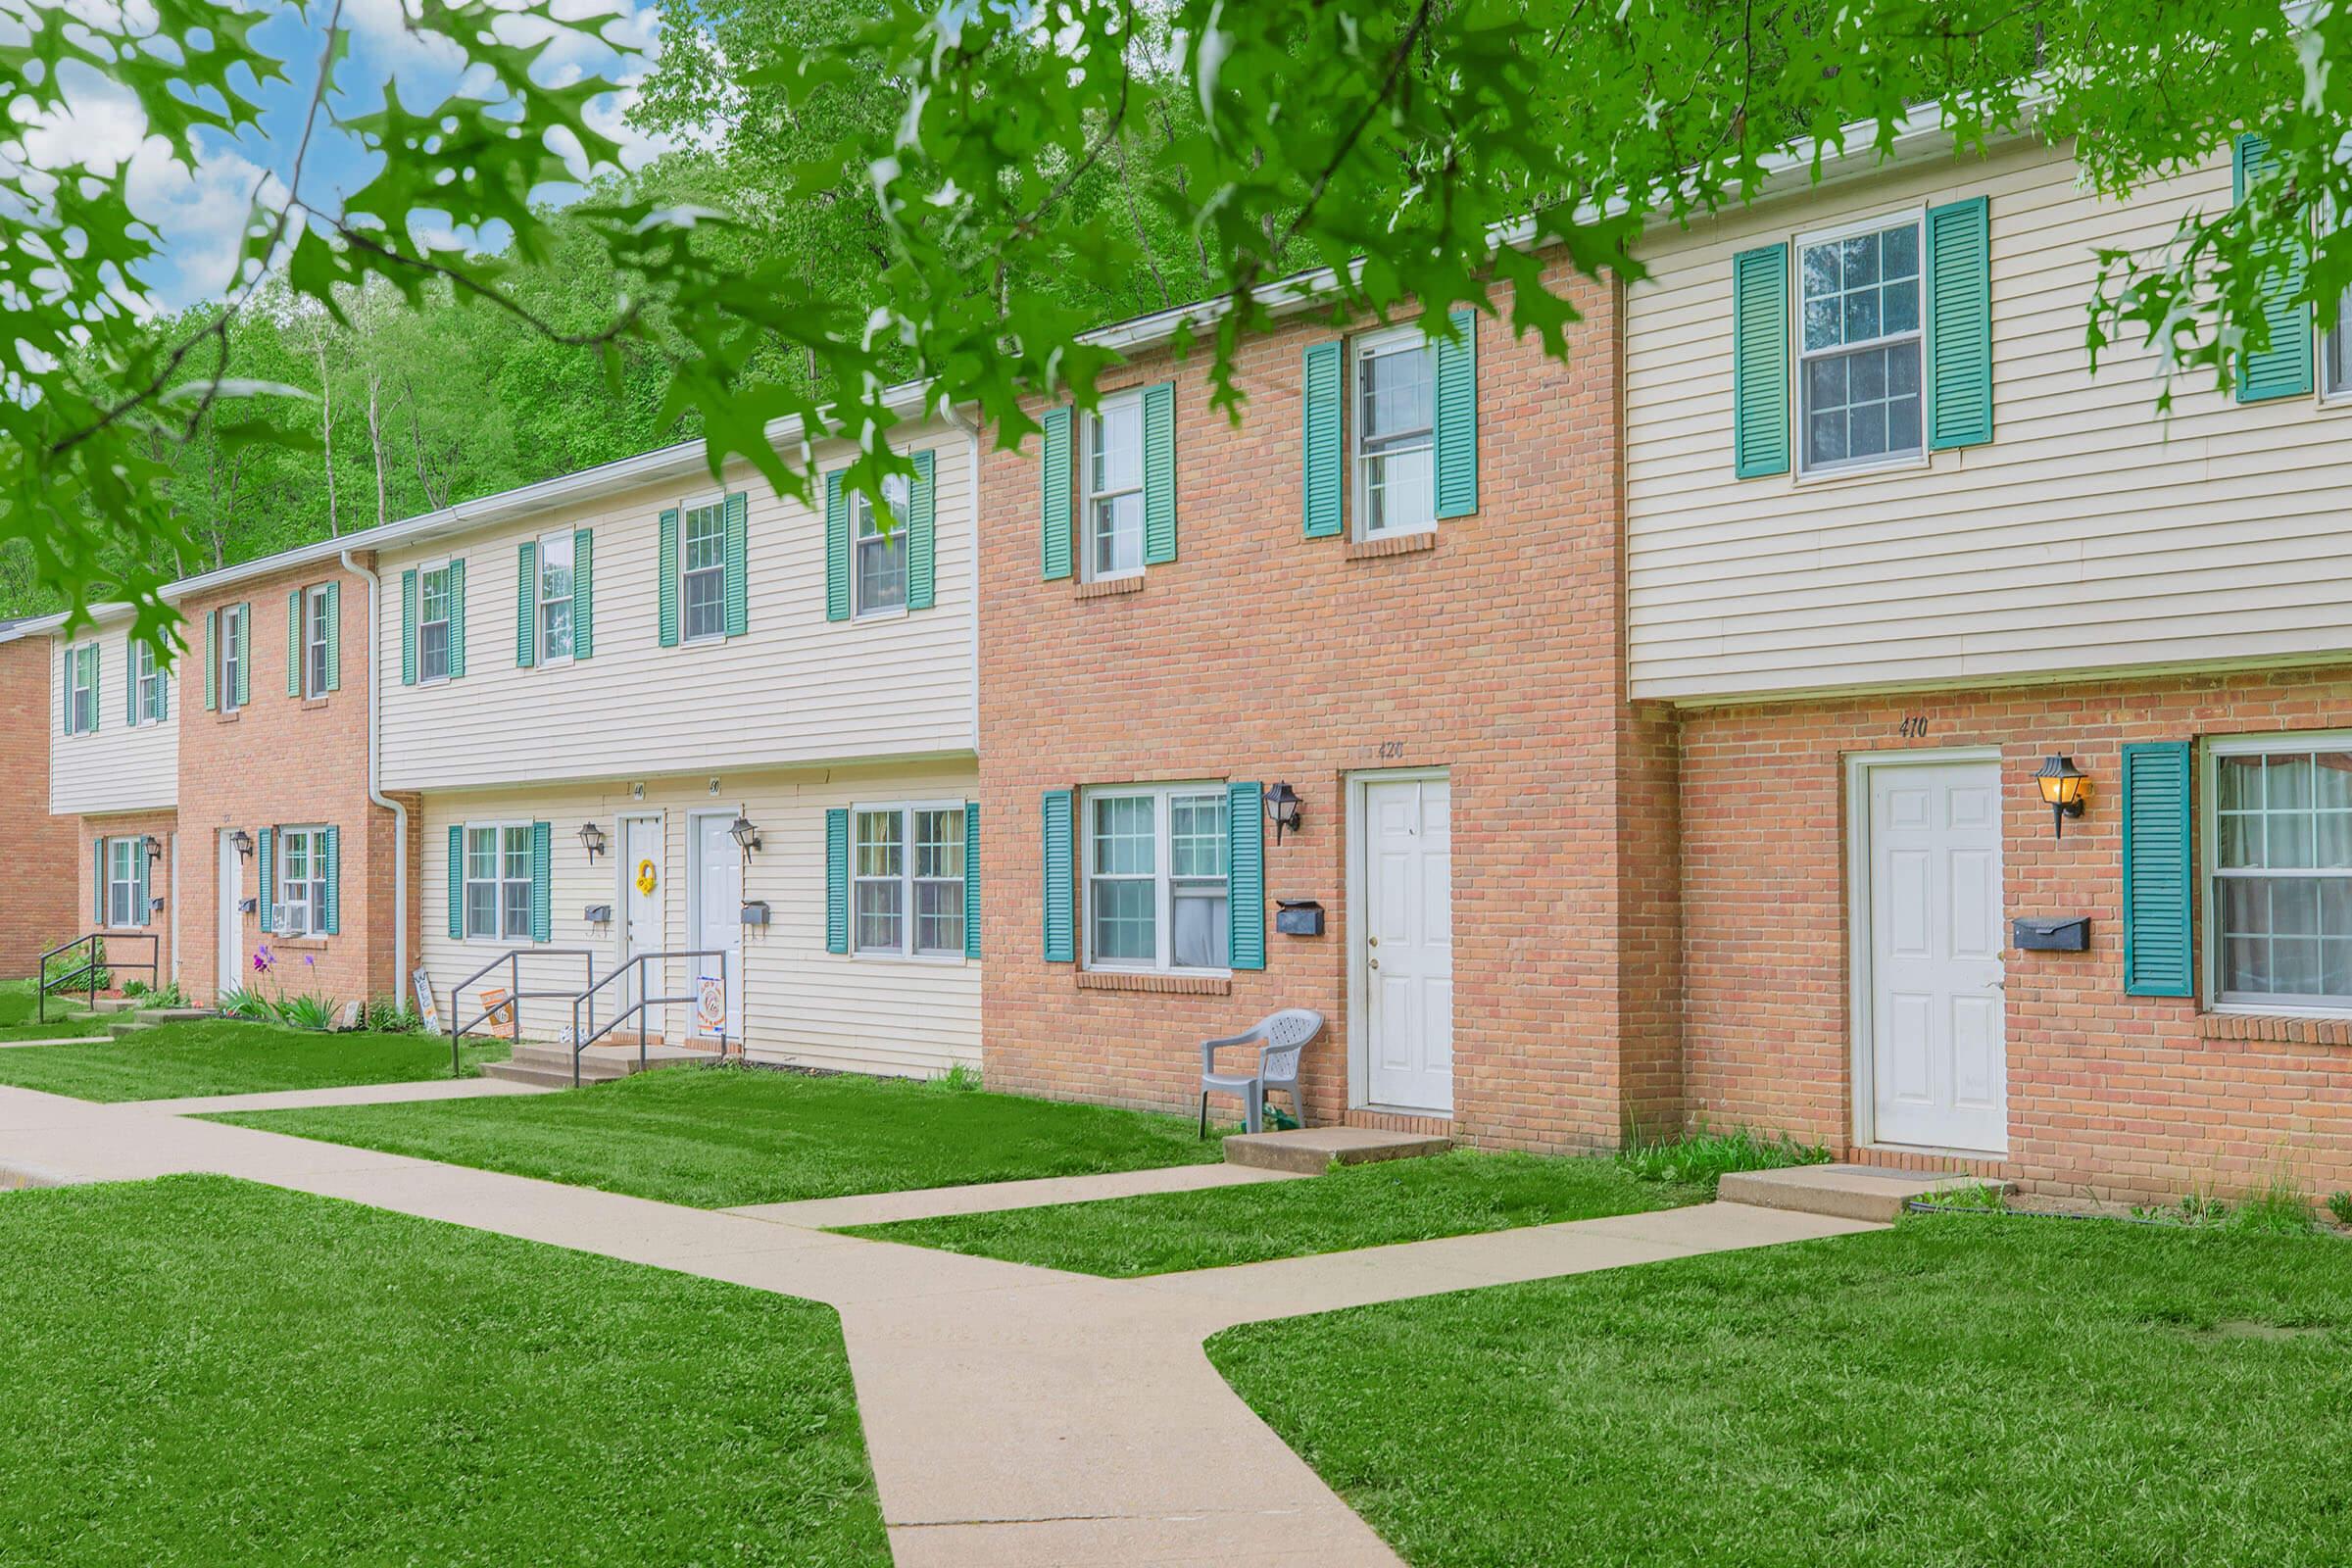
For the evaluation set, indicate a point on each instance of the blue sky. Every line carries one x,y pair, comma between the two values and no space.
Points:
200,213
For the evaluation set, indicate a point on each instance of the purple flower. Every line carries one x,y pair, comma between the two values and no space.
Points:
311,959
261,960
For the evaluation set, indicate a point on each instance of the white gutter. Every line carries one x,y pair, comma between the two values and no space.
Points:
400,812
971,453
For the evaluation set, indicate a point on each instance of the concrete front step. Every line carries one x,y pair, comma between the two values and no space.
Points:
1310,1151
1845,1191
551,1065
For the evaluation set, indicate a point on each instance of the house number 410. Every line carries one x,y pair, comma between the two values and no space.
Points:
1915,724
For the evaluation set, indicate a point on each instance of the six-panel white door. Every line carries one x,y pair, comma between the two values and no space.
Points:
717,914
1407,910
642,925
1937,1054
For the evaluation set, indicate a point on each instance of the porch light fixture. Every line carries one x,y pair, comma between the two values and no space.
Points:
1282,809
242,842
746,836
154,848
2065,787
592,839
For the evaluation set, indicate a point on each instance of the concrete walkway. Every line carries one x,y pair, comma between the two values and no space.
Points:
1016,1417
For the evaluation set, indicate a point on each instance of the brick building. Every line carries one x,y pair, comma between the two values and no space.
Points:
37,907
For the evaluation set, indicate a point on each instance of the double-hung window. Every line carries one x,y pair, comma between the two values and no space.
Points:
1858,346
1115,488
2335,353
300,908
2281,870
555,596
317,609
149,701
1155,878
907,890
498,882
435,604
703,572
123,905
82,690
232,655
881,551
1394,428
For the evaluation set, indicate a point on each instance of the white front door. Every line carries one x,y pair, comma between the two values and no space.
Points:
1938,1062
1406,909
232,944
718,916
644,891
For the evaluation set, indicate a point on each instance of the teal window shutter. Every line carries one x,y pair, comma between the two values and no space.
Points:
244,634
294,642
457,883
1245,876
1323,404
542,900
1062,889
331,852
1455,437
457,618
1159,473
1760,362
334,636
98,881
1959,324
737,552
264,862
667,563
837,548
211,659
972,879
583,593
2158,954
408,629
163,694
837,880
526,604
2282,369
922,535
1055,478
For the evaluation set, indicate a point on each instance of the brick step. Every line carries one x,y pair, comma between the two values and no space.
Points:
1843,1191
1312,1150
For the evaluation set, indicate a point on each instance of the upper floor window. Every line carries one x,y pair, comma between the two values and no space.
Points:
497,895
435,603
1156,888
301,881
907,886
1113,466
148,700
1394,430
318,623
702,581
1859,345
555,593
233,657
2282,870
82,689
2335,353
881,574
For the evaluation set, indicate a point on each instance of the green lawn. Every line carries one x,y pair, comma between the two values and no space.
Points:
202,1371
67,1019
1355,1205
1955,1390
717,1137
229,1056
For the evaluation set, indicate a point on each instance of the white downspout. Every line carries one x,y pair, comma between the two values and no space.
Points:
400,812
972,505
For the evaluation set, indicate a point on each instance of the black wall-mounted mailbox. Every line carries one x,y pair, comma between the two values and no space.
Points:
248,906
754,912
1298,917
597,914
2051,936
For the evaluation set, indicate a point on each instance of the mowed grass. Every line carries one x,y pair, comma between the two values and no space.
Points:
1454,1194
230,1056
719,1136
19,1005
201,1371
1953,1390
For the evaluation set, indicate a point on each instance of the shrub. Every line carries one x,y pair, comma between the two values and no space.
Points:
2341,1205
306,1010
393,1016
238,1002
961,1079
1701,1159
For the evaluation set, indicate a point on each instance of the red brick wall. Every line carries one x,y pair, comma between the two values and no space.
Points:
123,949
283,759
1262,654
36,897
2109,1096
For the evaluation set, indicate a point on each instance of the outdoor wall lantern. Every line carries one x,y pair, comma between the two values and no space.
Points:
1282,809
154,847
242,842
592,839
2065,787
746,836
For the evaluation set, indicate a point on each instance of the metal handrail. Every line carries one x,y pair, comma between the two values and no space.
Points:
581,1042
516,996
94,965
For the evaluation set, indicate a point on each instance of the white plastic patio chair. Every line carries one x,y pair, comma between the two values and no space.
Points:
1280,1038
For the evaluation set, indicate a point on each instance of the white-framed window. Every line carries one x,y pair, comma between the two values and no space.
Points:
232,655
1113,466
1859,346
2278,862
703,572
1155,878
497,896
82,689
907,881
301,895
436,606
2335,354
125,882
555,596
1394,424
317,610
150,701
881,554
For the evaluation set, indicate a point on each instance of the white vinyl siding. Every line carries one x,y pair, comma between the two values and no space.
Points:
2091,534
298,902
1392,425
1155,881
1113,469
121,767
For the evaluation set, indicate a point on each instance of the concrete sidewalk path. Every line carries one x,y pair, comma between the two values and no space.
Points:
341,1095
1016,1417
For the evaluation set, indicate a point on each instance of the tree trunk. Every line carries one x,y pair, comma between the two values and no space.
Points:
327,427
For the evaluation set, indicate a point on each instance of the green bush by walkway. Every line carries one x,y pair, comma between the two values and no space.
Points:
1456,1194
721,1136
203,1371
1954,1390
230,1056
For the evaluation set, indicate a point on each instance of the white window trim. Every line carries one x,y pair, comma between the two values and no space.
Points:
857,504
1163,912
75,688
570,538
313,599
231,656
905,951
1360,505
2331,397
2209,751
716,498
146,668
465,832
1085,488
1801,470
315,833
423,570
141,917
